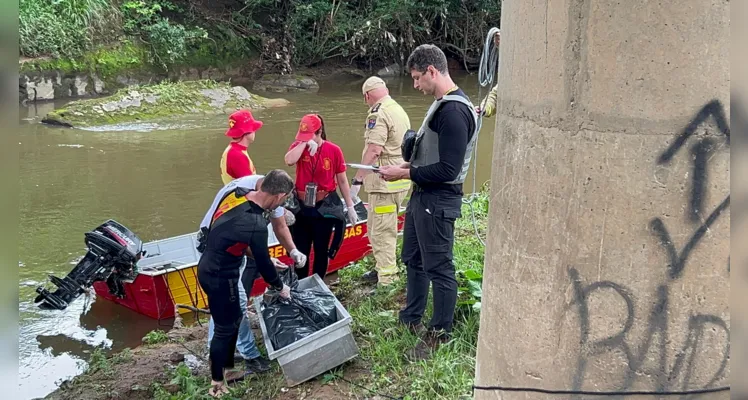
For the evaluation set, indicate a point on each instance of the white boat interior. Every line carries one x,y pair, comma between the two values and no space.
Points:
180,252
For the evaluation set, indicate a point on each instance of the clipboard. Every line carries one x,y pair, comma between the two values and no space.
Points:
363,166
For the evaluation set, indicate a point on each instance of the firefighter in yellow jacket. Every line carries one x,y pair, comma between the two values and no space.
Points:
386,124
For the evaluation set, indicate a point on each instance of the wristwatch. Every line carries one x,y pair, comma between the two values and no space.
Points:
355,182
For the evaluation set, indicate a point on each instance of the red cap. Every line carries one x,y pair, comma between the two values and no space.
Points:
309,124
240,123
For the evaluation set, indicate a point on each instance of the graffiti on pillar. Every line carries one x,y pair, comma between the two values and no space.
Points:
678,259
701,150
665,371
664,374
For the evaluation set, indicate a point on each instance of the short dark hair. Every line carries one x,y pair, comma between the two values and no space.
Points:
276,182
425,55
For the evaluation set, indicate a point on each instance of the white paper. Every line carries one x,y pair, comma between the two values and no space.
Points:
363,166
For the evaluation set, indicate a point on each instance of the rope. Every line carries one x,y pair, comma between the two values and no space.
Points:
200,292
489,63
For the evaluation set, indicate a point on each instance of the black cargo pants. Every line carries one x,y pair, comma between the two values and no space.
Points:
428,238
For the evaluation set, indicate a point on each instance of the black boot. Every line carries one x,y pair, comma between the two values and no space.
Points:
258,365
370,277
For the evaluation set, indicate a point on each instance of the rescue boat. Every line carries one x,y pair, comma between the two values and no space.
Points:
167,275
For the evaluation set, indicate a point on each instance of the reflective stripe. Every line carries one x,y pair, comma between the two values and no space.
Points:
385,209
387,271
225,177
398,185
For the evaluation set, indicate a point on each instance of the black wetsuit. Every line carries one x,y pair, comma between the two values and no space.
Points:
218,274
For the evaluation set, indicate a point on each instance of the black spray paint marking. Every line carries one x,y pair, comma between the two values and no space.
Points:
581,294
713,108
663,375
700,153
677,261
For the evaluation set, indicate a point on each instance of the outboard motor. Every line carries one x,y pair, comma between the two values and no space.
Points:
113,252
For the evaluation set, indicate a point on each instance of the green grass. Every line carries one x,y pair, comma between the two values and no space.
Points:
155,337
191,387
98,361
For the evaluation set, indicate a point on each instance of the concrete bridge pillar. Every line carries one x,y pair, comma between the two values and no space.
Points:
607,261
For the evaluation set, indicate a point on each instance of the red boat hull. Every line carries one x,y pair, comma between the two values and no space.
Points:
154,296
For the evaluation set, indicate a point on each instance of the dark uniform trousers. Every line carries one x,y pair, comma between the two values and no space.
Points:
428,238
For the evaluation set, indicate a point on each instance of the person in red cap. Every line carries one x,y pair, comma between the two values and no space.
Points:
320,170
235,162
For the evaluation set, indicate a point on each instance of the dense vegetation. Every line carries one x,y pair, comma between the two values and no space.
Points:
285,33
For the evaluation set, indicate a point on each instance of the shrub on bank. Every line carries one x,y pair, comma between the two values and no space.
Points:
62,28
294,32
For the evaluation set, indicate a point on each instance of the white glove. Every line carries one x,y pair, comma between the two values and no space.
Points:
354,191
352,215
312,147
278,263
298,258
285,292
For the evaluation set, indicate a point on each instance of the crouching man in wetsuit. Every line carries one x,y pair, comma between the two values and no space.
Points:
238,223
245,344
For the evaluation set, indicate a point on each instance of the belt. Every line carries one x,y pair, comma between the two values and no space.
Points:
321,194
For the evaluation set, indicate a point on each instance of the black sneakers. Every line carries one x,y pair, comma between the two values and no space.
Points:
258,365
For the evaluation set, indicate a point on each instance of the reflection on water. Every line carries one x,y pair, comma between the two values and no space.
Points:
158,180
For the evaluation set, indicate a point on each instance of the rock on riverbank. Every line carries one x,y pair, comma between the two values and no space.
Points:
286,83
164,100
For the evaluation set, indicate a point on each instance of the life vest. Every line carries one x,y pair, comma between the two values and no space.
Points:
426,148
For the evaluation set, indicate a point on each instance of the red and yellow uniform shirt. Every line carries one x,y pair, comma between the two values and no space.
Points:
235,163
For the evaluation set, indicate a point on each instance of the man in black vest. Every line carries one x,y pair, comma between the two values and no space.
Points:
437,168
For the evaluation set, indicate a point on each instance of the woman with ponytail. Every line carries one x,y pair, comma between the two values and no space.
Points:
320,170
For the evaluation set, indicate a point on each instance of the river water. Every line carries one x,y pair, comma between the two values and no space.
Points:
158,180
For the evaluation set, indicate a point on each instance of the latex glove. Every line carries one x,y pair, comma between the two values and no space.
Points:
312,147
285,292
352,215
354,191
299,259
278,263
